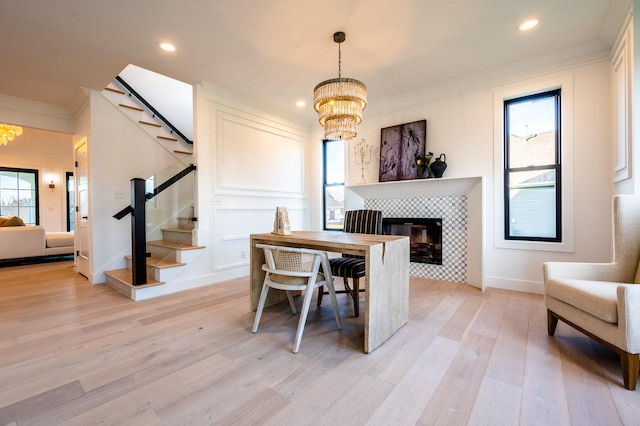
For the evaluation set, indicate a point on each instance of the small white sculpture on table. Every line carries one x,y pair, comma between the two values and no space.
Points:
281,225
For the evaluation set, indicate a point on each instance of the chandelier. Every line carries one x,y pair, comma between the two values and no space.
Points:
8,133
339,102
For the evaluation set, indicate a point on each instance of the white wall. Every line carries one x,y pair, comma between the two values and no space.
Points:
462,126
249,162
49,152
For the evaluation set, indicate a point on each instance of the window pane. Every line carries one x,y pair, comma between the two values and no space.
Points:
26,181
334,162
8,198
532,132
532,204
26,197
8,180
334,206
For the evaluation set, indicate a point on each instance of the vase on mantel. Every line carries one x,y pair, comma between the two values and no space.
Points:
439,165
425,173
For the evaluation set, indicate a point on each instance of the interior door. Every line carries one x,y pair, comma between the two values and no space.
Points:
83,247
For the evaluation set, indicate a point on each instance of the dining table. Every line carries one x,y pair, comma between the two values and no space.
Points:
386,280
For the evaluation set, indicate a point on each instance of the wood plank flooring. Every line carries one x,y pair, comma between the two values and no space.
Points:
78,354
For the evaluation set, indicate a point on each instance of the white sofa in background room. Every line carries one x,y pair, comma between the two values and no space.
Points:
19,242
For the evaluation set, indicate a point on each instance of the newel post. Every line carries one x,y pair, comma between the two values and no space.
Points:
138,232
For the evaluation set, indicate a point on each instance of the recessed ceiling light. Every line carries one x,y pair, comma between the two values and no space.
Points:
300,104
528,24
168,47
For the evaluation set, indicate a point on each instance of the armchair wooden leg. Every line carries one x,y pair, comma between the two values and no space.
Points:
552,322
630,369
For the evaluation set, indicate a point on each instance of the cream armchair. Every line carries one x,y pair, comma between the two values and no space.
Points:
602,300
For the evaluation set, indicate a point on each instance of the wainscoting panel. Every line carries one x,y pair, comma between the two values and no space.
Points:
256,156
233,225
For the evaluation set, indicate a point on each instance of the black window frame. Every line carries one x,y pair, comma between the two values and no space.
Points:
556,167
326,185
70,201
36,173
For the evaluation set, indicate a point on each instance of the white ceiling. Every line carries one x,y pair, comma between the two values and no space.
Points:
276,51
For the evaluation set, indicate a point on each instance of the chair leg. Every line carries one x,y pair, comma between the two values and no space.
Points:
334,303
261,302
320,293
552,323
292,304
304,311
356,297
630,364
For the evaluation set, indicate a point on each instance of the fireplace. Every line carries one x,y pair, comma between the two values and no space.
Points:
425,237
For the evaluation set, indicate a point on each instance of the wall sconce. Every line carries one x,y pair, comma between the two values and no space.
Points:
52,186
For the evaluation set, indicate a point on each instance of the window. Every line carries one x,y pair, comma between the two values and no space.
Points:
19,194
70,201
532,169
333,182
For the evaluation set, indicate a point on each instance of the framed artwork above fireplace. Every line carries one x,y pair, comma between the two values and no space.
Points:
399,146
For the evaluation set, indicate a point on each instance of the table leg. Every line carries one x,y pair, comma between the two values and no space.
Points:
386,292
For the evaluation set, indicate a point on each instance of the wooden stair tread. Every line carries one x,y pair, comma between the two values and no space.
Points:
182,152
167,138
159,263
111,89
133,107
173,245
124,276
148,123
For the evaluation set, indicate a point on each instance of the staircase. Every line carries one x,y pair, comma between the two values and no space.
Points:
146,120
169,257
165,217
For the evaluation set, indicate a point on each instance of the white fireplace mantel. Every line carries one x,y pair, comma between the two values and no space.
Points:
416,187
471,187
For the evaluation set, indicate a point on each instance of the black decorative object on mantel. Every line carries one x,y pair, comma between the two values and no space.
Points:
438,166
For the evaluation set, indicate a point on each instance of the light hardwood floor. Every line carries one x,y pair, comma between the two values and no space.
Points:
76,354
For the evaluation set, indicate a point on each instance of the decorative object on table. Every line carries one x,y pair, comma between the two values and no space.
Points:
281,225
399,147
422,163
363,156
439,165
339,102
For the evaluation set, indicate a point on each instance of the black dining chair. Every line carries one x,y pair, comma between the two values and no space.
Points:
351,266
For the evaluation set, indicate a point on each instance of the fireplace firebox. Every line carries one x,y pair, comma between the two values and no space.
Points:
425,237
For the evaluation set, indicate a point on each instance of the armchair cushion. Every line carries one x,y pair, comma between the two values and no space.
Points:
598,298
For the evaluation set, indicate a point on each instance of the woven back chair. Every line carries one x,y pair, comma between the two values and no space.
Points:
291,269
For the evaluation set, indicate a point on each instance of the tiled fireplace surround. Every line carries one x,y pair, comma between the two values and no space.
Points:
453,211
448,199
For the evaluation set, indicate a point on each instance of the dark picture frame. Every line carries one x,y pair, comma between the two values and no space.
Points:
399,146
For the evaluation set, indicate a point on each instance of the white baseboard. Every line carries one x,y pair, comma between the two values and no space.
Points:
515,285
